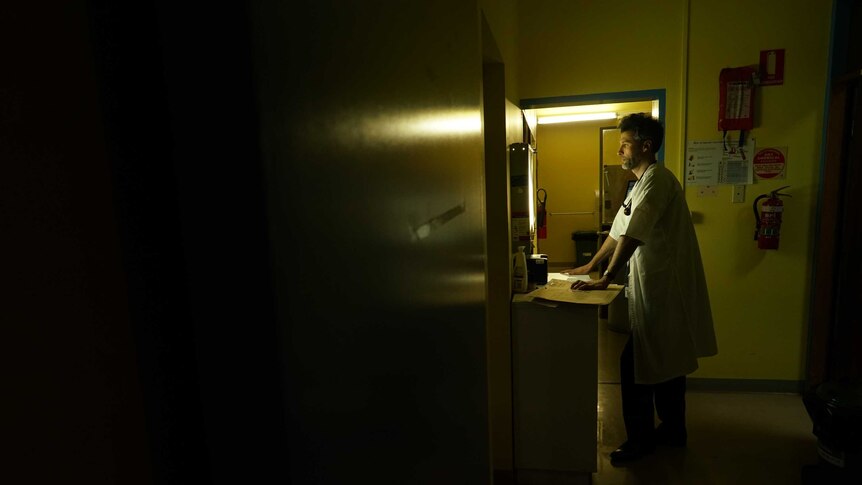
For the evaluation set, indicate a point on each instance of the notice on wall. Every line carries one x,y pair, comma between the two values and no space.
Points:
772,67
735,166
719,162
701,162
770,163
520,226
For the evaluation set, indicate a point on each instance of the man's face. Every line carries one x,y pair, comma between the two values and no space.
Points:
630,150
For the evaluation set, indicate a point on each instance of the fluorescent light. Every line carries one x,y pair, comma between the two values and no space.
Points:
545,120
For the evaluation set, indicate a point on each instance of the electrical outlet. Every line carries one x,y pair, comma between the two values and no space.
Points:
707,191
738,194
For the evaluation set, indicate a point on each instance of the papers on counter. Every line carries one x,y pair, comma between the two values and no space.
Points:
568,277
559,289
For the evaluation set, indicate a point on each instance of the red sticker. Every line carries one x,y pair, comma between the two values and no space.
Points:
769,163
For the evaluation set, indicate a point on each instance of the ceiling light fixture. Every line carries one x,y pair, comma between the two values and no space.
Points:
546,120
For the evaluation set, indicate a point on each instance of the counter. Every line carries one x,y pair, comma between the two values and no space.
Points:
555,384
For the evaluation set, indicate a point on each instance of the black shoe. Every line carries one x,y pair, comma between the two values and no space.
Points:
664,435
630,451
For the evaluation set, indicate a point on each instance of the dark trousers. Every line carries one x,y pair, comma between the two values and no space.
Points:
642,401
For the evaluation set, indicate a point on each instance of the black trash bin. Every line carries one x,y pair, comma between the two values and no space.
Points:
836,411
586,244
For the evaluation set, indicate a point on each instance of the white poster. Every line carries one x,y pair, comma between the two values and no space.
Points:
701,162
719,162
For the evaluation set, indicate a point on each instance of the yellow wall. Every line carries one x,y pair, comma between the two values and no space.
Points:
502,19
584,47
568,170
759,298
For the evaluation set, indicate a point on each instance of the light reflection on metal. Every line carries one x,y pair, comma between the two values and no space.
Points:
397,127
448,124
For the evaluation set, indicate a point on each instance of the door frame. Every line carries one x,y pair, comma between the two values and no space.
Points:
605,98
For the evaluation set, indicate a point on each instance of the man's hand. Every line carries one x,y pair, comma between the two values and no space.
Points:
581,270
600,284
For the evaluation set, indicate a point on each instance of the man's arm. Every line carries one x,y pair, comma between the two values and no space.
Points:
623,251
606,250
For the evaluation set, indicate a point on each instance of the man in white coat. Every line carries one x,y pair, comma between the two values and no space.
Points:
671,321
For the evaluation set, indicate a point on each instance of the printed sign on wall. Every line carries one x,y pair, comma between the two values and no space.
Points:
713,162
770,163
772,67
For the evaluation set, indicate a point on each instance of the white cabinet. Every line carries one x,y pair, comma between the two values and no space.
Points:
555,388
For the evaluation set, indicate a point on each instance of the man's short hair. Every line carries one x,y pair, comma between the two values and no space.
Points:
644,127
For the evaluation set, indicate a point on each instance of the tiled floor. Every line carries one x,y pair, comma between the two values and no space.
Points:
734,438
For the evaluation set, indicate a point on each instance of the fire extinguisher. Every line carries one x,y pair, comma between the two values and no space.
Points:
769,219
541,214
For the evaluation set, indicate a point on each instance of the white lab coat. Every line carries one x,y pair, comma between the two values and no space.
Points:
668,301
